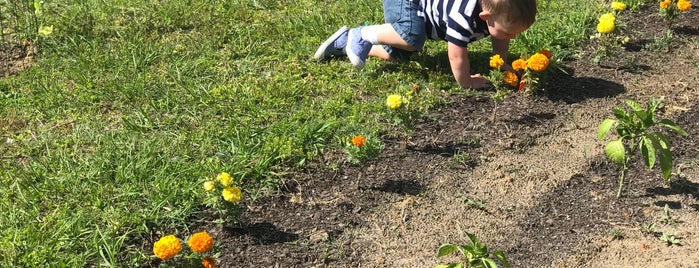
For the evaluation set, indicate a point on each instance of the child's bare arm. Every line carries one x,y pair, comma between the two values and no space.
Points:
501,47
461,68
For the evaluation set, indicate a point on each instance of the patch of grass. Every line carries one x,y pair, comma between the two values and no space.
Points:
131,105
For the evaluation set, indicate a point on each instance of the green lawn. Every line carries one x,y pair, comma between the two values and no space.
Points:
131,105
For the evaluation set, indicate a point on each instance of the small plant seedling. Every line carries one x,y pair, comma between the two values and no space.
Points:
635,131
670,239
616,234
474,255
666,218
648,228
476,203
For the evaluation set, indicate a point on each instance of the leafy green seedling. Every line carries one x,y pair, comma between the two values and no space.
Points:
635,130
474,255
670,239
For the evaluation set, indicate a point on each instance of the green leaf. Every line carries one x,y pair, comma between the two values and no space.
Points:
620,114
665,162
604,128
648,150
671,125
634,105
501,256
490,263
446,249
451,265
616,152
646,119
45,30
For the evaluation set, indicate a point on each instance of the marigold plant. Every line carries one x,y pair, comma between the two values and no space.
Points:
519,65
618,6
538,62
496,61
208,262
201,242
510,78
222,194
394,101
684,5
231,194
358,140
167,247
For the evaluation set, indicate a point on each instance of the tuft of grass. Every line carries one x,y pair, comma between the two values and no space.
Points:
131,105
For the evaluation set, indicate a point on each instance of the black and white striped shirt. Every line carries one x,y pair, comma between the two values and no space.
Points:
455,21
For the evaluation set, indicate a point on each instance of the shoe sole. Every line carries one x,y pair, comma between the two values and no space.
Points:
354,58
320,53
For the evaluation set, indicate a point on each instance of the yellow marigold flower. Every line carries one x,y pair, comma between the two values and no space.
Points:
208,262
607,17
167,247
519,64
546,53
358,140
394,101
665,4
618,6
538,62
510,78
201,242
231,194
605,27
209,186
684,5
225,179
496,61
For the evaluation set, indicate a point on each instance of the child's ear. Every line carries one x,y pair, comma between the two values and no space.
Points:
484,15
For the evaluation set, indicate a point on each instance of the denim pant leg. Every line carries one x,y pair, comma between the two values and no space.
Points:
402,15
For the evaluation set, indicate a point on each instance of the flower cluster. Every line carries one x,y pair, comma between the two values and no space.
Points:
230,192
167,247
526,70
669,11
222,195
618,6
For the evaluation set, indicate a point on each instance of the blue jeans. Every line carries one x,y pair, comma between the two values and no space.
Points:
402,15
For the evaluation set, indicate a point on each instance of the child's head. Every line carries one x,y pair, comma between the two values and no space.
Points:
508,18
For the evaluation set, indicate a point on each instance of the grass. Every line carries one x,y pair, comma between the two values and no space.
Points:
131,105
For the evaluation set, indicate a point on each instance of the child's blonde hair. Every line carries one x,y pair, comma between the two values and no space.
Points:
512,12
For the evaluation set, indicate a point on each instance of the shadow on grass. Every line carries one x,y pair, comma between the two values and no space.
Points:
264,233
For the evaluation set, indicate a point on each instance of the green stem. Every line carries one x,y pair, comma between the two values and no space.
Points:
621,180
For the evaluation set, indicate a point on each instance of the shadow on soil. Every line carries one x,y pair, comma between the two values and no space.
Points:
570,89
264,233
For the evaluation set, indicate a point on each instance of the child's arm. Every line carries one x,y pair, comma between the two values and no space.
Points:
461,68
501,47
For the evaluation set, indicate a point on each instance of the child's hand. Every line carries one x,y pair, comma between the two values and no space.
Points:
478,81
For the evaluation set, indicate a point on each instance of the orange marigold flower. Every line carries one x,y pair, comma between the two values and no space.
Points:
684,5
358,140
546,53
538,62
496,61
208,262
519,64
510,78
665,4
167,247
201,242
